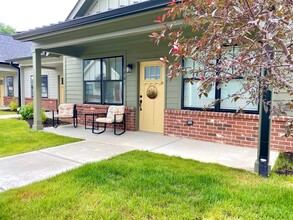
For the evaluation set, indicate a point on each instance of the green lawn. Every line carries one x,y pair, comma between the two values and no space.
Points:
7,113
16,137
142,185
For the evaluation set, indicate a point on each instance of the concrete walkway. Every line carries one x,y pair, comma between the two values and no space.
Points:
10,116
20,170
4,108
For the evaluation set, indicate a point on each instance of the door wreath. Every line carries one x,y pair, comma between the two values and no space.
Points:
152,92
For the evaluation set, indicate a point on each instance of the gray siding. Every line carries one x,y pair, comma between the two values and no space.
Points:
106,5
134,53
52,82
173,93
73,80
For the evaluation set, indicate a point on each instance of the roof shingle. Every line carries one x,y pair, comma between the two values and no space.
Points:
13,49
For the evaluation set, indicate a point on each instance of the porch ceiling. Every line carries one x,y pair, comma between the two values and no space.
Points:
99,44
74,41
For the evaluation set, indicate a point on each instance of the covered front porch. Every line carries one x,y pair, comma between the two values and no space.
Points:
96,37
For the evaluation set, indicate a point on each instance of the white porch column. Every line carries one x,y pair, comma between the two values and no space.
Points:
37,90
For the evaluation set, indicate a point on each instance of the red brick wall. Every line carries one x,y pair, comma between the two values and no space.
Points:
225,128
83,109
7,100
278,142
47,104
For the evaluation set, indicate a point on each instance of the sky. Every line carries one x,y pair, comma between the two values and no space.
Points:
29,14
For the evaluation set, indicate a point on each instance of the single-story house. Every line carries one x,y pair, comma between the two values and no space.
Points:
9,73
110,60
16,60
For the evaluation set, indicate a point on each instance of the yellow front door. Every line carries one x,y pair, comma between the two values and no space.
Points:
152,96
1,91
61,90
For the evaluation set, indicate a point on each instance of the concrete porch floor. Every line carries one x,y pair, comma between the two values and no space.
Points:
227,155
23,169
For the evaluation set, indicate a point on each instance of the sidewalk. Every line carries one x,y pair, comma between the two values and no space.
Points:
20,170
9,116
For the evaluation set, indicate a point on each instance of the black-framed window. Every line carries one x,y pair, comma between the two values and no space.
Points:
103,80
44,86
191,99
9,85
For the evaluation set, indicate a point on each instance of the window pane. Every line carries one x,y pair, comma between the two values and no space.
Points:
112,68
191,98
152,73
113,92
198,68
226,57
44,83
93,92
92,69
107,72
147,73
44,86
231,88
10,89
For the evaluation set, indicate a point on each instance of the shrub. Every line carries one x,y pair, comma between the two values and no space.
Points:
13,105
44,117
27,112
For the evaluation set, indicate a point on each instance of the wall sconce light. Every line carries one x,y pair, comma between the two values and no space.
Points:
129,68
189,122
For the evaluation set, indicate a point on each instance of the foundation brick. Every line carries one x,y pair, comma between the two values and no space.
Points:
47,104
226,128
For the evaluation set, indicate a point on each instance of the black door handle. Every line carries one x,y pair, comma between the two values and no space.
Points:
140,103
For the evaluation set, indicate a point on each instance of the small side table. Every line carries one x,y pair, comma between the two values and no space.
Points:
85,120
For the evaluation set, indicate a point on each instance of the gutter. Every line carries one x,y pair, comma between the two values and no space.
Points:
16,66
86,20
51,55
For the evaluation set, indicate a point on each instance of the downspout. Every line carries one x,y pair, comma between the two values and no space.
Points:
16,66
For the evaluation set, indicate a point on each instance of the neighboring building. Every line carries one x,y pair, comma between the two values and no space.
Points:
16,55
99,45
9,49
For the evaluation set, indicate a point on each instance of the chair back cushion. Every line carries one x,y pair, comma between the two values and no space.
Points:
66,110
113,110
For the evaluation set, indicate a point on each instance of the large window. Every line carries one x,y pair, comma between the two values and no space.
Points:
103,80
10,88
44,84
191,92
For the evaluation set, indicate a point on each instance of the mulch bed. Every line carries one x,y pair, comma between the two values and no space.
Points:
46,124
287,171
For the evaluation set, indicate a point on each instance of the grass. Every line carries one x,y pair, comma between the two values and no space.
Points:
16,137
142,185
7,113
